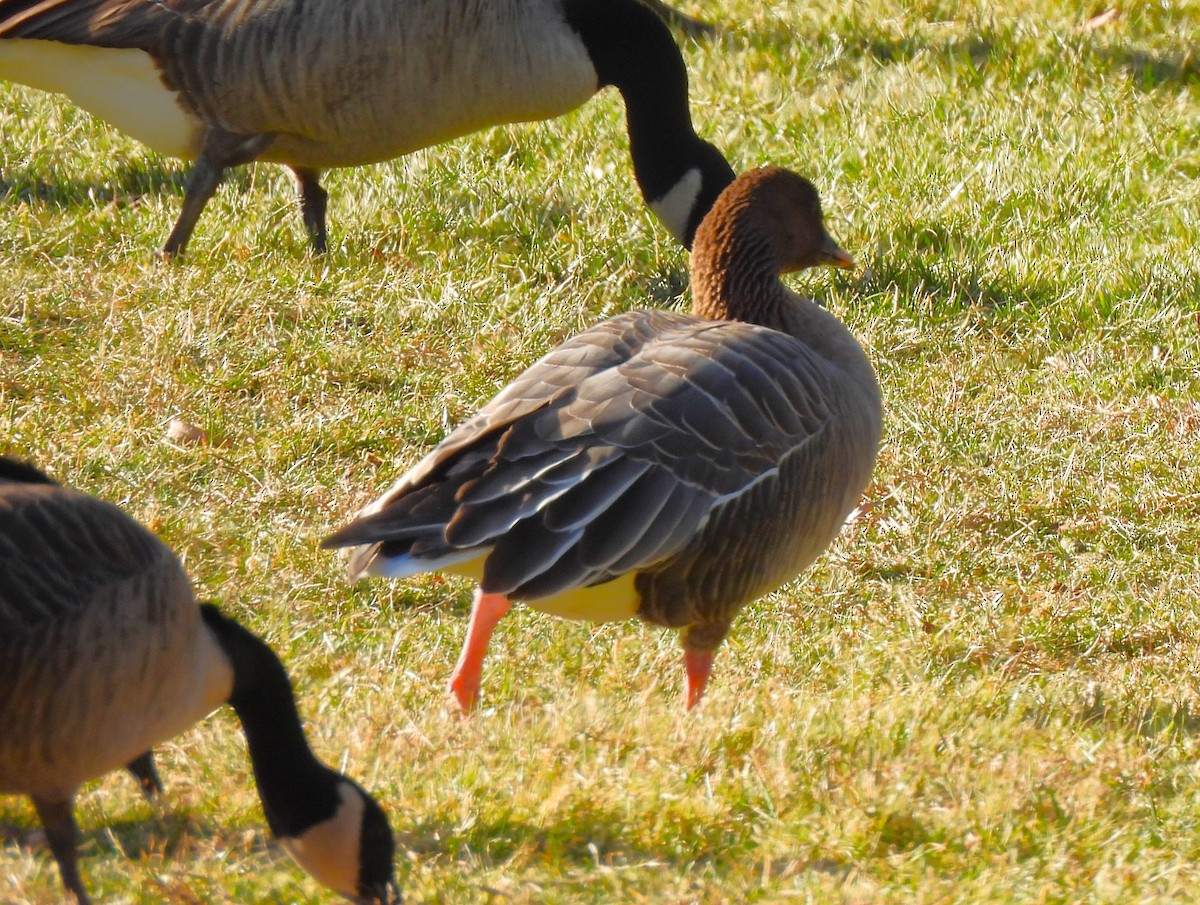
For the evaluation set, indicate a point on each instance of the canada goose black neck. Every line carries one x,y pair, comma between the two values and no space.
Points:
680,175
297,791
263,700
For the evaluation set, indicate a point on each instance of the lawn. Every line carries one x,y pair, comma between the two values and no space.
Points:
987,690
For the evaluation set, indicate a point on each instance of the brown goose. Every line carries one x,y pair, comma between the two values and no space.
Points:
668,466
314,84
104,653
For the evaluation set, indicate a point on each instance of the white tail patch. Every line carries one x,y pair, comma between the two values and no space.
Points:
609,602
121,86
674,208
468,563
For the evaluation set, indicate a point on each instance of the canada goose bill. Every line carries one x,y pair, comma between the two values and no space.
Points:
359,82
104,652
672,467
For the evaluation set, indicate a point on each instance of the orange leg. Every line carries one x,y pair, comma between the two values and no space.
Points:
486,611
699,668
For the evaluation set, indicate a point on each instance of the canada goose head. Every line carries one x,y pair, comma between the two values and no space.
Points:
351,851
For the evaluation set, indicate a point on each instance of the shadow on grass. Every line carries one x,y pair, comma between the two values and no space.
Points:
133,838
979,49
1150,70
1148,719
949,287
590,836
130,183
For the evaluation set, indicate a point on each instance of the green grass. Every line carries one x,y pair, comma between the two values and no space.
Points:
986,692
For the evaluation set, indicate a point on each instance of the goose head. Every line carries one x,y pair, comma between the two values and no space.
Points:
768,222
351,851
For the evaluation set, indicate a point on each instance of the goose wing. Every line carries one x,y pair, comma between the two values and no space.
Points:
60,550
605,457
100,23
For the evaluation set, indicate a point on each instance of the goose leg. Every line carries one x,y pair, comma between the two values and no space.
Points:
486,611
699,667
219,151
313,200
700,643
143,770
62,835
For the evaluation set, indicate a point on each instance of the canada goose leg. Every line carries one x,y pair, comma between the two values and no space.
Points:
143,770
202,184
486,611
313,200
61,833
220,151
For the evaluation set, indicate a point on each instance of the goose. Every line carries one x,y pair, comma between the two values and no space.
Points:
668,466
314,84
105,652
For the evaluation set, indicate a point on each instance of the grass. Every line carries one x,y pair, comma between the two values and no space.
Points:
985,692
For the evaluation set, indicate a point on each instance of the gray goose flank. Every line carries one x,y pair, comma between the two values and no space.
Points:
104,652
669,466
314,84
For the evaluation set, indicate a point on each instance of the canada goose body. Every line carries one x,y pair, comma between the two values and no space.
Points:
327,83
104,653
669,466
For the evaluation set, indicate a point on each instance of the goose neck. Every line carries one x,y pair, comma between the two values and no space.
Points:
736,277
679,174
295,788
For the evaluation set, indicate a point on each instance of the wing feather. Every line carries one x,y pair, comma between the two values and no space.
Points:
608,455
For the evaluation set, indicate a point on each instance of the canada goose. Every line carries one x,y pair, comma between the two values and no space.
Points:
105,652
314,84
668,466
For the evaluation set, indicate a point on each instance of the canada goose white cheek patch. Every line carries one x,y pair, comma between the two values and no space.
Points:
675,207
330,850
120,86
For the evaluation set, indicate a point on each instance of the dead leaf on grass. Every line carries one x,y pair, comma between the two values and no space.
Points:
180,431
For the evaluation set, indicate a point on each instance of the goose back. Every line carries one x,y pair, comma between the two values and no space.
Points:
712,460
104,606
